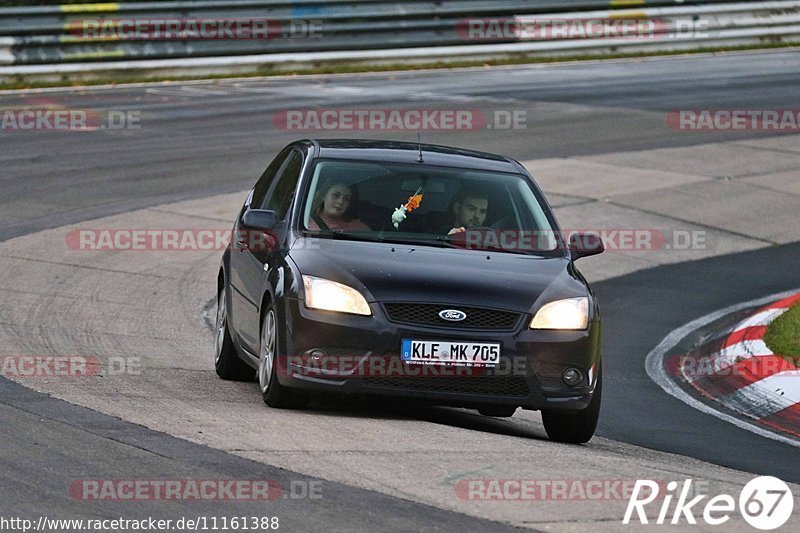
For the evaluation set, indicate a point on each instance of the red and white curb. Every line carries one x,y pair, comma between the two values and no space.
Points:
740,373
745,376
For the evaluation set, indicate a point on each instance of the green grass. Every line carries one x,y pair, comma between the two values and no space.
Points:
783,335
346,68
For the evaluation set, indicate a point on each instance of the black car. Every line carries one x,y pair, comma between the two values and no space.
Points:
409,270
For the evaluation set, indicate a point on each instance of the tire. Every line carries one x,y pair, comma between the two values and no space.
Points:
275,394
575,427
226,361
500,411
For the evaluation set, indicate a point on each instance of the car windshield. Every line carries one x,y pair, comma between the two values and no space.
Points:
434,206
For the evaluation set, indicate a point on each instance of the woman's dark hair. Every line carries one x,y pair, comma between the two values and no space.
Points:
319,199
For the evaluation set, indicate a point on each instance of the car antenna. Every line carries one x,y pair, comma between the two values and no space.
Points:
419,143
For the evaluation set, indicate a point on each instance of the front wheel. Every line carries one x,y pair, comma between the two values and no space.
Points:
574,427
275,394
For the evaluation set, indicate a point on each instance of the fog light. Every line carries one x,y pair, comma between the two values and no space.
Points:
572,377
317,354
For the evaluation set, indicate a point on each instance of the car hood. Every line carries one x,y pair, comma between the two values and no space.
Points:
386,272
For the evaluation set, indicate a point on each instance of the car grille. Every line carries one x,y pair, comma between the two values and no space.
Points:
495,385
428,315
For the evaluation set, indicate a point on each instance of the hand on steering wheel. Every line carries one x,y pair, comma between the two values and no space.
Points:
476,228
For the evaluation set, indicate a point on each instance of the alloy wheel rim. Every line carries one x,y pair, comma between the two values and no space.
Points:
267,351
220,337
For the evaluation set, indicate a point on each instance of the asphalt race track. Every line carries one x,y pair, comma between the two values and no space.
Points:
204,139
653,303
198,140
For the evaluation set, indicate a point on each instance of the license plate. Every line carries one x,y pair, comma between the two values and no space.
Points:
450,353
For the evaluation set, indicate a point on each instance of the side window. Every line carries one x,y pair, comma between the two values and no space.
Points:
280,197
266,180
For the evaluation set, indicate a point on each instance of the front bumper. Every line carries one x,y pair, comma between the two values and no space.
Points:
362,356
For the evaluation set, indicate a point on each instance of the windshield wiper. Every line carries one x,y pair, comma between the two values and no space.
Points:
438,241
345,235
421,241
382,236
486,247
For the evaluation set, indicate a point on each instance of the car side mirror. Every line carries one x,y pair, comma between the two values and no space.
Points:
262,219
585,245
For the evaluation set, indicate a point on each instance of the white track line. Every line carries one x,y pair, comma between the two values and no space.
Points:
655,367
762,318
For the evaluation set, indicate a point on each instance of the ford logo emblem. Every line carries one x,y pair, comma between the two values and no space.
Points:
452,315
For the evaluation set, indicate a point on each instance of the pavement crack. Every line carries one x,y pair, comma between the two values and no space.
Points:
592,520
763,187
45,294
67,297
578,200
97,332
99,269
191,215
693,223
744,144
86,430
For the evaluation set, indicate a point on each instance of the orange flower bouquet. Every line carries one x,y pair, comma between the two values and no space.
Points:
401,212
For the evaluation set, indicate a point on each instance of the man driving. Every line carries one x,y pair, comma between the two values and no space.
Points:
469,209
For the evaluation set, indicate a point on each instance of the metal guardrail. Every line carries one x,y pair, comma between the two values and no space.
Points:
6,55
303,7
53,34
53,20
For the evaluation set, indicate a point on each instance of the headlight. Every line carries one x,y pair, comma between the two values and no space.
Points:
332,296
572,313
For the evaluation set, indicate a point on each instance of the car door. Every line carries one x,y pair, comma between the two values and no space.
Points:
248,262
241,307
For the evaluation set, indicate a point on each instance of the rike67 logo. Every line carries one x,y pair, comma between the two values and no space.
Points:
766,503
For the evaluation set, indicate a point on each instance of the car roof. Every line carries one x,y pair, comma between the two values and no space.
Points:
408,152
